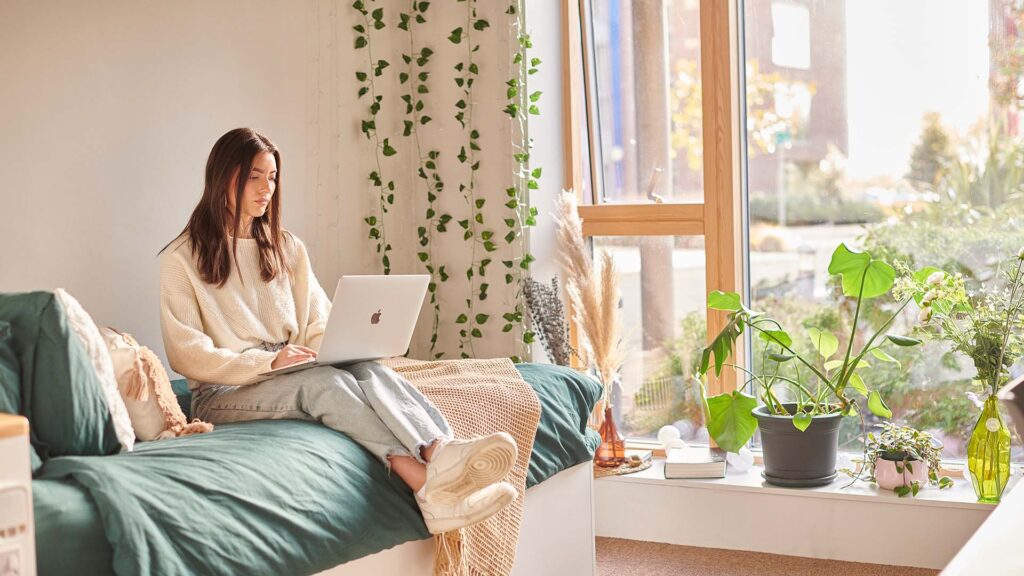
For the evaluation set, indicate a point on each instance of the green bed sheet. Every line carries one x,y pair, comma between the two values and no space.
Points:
298,499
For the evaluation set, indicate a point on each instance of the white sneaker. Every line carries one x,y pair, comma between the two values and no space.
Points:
479,506
459,468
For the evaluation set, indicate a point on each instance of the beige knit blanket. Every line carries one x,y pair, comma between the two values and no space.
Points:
480,397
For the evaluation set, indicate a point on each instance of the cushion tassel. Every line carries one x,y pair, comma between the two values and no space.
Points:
137,389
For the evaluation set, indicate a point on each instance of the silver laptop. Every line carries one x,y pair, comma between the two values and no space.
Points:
371,317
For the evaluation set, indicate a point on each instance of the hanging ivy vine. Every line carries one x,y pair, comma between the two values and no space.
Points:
521,215
374,20
474,227
416,76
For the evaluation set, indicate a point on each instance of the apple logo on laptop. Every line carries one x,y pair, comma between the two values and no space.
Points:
375,317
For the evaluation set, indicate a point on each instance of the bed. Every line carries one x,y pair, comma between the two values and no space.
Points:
303,499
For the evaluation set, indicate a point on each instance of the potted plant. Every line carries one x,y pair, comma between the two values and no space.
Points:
904,459
986,326
800,434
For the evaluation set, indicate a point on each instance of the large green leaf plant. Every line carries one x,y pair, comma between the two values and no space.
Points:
827,383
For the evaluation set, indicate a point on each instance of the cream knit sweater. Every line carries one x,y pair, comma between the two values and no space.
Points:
212,335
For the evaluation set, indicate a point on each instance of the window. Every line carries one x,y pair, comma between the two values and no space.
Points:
890,126
904,143
650,206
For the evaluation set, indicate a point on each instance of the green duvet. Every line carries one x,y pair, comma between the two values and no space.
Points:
270,497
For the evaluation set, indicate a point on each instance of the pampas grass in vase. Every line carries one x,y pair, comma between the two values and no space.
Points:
594,296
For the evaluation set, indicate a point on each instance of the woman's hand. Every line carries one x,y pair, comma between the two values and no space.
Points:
292,354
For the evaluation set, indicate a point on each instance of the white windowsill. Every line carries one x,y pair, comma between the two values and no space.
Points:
742,512
960,495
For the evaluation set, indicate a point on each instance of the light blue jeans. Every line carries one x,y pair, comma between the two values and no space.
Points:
372,404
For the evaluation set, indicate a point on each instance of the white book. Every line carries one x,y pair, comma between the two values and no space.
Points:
695,462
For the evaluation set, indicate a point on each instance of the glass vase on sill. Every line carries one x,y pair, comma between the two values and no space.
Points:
612,451
988,453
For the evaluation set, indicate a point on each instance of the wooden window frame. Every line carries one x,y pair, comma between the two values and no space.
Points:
718,219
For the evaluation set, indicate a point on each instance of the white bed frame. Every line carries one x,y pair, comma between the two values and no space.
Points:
556,537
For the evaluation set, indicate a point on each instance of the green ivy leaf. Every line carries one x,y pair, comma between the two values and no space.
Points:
456,37
481,318
481,24
462,319
388,150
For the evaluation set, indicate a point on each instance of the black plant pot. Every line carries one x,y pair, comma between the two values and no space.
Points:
798,459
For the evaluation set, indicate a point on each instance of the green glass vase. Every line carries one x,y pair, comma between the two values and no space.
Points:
988,453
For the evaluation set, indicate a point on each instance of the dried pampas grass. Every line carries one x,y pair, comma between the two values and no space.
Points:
594,297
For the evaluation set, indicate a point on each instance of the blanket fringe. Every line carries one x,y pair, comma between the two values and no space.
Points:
448,557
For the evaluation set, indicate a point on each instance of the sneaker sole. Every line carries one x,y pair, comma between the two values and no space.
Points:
489,463
443,525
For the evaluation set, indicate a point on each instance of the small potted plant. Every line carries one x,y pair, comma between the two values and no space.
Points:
904,459
800,434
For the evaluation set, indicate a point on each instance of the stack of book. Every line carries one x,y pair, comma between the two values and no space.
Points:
695,462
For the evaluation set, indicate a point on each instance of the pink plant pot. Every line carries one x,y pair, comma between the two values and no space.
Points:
889,478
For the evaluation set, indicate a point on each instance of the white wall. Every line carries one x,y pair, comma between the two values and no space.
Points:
544,21
108,110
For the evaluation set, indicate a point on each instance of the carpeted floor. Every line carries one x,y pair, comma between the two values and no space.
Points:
632,558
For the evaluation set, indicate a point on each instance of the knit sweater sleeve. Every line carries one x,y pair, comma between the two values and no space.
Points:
319,305
190,351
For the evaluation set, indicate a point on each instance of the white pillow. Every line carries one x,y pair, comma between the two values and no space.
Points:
145,413
89,335
146,390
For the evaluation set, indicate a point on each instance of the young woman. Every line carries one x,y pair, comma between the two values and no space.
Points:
238,298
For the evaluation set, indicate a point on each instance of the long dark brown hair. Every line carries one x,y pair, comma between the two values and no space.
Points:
207,229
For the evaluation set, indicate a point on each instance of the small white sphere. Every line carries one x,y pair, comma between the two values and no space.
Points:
668,433
674,443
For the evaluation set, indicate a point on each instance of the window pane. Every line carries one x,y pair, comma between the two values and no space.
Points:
661,280
647,80
891,126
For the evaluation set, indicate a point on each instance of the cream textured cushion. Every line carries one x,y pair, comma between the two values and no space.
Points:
89,335
146,389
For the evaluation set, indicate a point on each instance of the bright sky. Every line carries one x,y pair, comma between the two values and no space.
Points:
906,58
